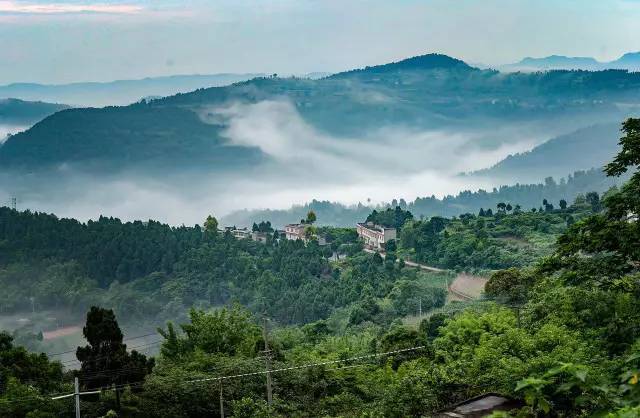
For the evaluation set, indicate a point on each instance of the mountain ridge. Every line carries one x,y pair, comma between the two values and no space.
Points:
16,111
431,92
629,61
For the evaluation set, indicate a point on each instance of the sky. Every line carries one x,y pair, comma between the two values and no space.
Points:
69,40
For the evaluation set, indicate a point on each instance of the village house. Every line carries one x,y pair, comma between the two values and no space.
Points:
375,236
239,233
261,237
295,231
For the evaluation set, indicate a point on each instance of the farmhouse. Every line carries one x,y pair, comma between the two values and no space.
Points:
295,231
375,236
239,233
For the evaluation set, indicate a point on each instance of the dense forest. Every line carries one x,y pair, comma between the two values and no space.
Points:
560,335
151,270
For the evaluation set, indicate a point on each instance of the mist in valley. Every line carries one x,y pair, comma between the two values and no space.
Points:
302,163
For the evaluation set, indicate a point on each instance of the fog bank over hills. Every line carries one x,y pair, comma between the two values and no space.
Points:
403,129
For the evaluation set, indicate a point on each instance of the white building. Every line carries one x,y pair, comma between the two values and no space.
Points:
375,236
239,233
295,231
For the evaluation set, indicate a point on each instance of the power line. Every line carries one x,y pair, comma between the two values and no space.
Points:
305,366
261,372
67,362
126,339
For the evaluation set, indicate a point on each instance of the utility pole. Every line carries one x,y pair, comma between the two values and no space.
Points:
14,203
221,401
267,357
76,385
420,308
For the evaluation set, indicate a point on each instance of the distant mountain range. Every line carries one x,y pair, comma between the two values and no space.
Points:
124,92
430,92
120,92
629,61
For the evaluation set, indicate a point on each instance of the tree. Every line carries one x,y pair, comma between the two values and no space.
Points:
593,198
509,207
211,225
105,362
391,246
563,204
501,206
311,217
229,331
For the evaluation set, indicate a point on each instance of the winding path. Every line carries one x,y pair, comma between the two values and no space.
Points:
463,287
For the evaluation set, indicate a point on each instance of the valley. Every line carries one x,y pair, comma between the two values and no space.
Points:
293,209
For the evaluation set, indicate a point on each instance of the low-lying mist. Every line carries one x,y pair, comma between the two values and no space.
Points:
304,163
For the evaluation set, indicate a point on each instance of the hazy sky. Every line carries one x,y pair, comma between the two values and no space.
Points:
70,40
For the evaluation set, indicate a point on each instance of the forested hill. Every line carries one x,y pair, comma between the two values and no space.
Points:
583,149
557,333
526,195
428,92
20,112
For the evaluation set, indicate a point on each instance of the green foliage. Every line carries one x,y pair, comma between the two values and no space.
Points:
25,379
228,331
562,334
510,286
211,225
105,361
486,242
390,218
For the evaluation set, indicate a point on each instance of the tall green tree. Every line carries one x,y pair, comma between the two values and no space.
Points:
105,362
211,225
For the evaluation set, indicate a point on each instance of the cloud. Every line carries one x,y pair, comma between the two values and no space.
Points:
278,129
14,7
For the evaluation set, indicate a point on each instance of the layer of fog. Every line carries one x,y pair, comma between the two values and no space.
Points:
305,164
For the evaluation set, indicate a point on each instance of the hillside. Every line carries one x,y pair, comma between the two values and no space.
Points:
580,150
20,112
430,92
138,136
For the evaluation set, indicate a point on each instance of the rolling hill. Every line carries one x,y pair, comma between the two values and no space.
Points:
590,147
428,92
20,112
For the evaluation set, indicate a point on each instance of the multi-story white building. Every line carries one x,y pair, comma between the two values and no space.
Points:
375,236
239,233
295,231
